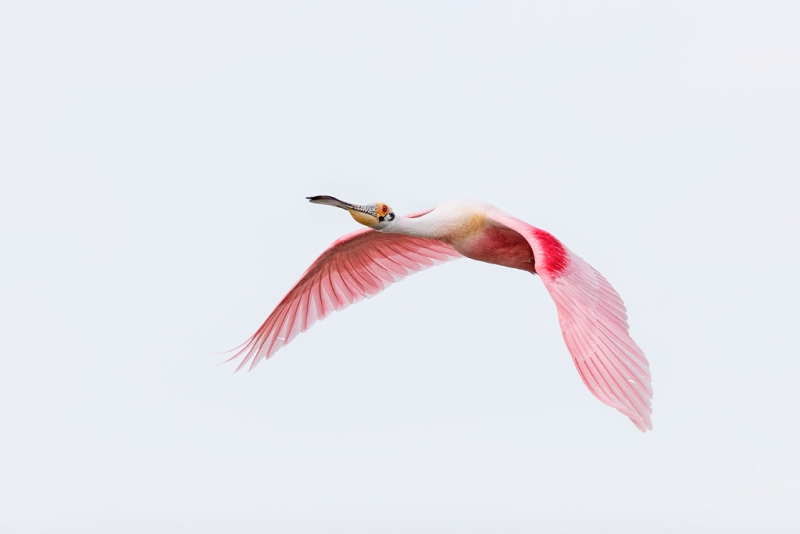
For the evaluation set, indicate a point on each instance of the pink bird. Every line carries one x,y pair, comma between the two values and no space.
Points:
363,263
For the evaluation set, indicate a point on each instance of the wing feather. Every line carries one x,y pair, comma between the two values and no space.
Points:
594,324
356,266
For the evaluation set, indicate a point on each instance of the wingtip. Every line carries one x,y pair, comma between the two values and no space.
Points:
642,424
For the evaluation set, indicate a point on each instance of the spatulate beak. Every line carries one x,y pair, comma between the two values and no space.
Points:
330,201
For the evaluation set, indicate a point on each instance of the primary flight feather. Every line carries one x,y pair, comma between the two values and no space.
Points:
361,264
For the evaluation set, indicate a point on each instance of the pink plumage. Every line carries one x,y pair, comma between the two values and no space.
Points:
594,323
361,264
356,266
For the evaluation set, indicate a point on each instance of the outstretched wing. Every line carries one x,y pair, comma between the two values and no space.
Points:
594,324
354,267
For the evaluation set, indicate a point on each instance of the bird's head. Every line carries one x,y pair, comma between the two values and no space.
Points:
376,215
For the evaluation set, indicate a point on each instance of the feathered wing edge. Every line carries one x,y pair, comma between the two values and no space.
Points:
594,324
356,266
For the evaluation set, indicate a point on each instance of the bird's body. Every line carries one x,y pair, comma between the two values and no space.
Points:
361,264
471,230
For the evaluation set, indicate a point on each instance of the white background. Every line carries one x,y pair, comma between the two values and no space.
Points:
154,159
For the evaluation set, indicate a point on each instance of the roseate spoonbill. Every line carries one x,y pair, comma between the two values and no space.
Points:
363,263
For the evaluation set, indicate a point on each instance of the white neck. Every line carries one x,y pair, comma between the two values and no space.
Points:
424,226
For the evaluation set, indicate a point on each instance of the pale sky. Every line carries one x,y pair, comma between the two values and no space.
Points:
154,159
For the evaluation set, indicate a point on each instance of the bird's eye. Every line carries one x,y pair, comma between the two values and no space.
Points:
383,208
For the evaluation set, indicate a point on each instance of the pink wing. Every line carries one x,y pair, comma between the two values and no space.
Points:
594,325
356,266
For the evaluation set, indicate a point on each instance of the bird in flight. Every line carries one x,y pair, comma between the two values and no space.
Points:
363,263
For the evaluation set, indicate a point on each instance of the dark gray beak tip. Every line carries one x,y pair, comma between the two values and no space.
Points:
329,201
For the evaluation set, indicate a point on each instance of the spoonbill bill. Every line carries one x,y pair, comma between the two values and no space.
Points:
363,263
